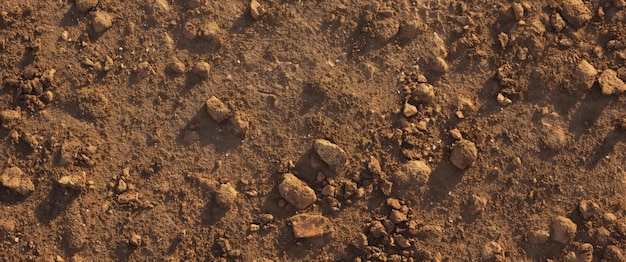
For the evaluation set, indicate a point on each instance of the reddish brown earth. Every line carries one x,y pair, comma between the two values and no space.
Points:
188,130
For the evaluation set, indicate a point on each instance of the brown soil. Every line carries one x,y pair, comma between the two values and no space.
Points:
163,130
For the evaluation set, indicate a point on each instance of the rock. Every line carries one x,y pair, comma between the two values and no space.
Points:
411,174
538,237
619,4
374,167
217,110
424,93
239,123
328,190
492,251
575,12
556,20
562,230
266,218
586,74
135,240
144,69
212,32
385,29
121,186
308,226
86,5
477,204
394,203
464,153
14,179
296,191
176,66
75,182
377,229
225,195
518,11
456,134
554,136
612,253
256,10
331,154
582,253
409,110
439,65
10,118
397,216
201,69
412,28
401,241
610,83
430,232
502,100
588,209
101,21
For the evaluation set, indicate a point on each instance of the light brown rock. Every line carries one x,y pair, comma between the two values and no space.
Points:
331,154
296,191
414,173
464,153
10,118
15,179
575,12
477,204
586,74
202,69
217,109
423,93
588,209
538,237
610,83
492,251
439,65
225,195
239,123
75,181
612,253
256,10
86,5
562,230
409,110
101,21
308,226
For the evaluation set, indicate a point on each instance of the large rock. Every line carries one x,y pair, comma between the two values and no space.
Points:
15,179
296,191
575,12
332,154
307,226
412,174
562,230
464,153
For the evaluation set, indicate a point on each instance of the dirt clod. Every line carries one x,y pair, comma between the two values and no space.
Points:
588,209
217,109
477,204
575,12
492,251
296,191
225,195
562,230
74,181
613,253
15,179
86,5
409,110
135,240
101,21
308,226
586,74
414,173
331,154
464,153
177,67
10,118
538,237
240,123
424,93
610,83
202,69
439,65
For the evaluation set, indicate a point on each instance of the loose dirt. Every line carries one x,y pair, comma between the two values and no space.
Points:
266,130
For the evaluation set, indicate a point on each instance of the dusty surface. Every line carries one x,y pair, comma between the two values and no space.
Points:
162,130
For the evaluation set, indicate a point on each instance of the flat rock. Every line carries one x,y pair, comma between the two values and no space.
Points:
296,191
331,154
217,109
610,83
586,74
308,226
413,173
562,230
575,12
15,179
464,153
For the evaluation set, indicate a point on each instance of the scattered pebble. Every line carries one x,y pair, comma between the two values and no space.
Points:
256,10
586,74
101,21
575,12
477,204
144,69
296,191
562,230
86,5
397,216
225,195
554,136
75,181
266,218
201,69
217,109
464,153
374,167
121,186
581,253
254,228
394,203
331,154
588,209
430,232
377,229
610,83
328,190
409,110
492,251
15,179
401,241
308,226
411,174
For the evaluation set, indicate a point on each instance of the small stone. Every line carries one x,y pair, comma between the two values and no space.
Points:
10,118
240,123
518,11
394,203
456,134
256,10
384,30
86,5
556,20
308,226
397,216
581,253
328,190
266,218
414,173
225,195
349,188
101,21
176,67
575,12
377,229
538,237
588,209
75,182
296,191
586,74
464,153
332,154
492,251
477,204
502,100
439,65
374,167
613,253
610,83
401,241
562,230
424,93
409,110
144,69
135,240
254,228
15,179
121,186
224,245
217,109
202,69
609,218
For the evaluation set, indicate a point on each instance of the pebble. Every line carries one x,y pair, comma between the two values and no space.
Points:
144,69
588,209
586,74
394,203
562,230
217,109
401,241
377,229
266,218
464,153
225,195
135,240
575,12
439,65
308,226
424,93
430,232
256,10
492,251
101,21
240,123
121,186
556,20
582,253
254,227
456,134
177,67
201,69
15,179
328,190
502,100
331,154
409,110
75,182
477,204
397,216
296,191
86,5
518,11
412,174
385,29
374,167
610,83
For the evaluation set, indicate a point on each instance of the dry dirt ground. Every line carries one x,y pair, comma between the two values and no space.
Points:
280,130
